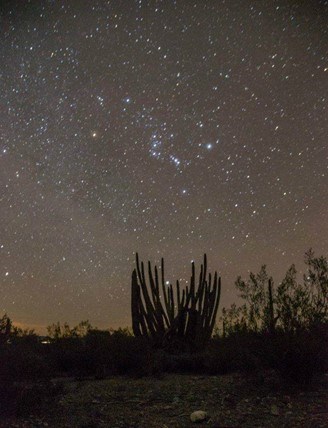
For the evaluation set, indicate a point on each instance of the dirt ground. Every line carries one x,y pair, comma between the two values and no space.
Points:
229,400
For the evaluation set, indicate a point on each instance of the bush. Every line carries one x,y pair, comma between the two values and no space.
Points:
20,399
183,363
220,360
131,355
22,366
98,353
8,397
302,356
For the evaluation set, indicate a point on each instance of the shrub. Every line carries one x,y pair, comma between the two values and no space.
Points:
16,365
131,355
20,399
302,356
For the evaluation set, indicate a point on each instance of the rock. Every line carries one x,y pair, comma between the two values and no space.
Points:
274,410
198,416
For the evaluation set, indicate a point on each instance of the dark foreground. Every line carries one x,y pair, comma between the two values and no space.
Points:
230,401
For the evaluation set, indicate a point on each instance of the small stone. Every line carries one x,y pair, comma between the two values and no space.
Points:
274,410
198,416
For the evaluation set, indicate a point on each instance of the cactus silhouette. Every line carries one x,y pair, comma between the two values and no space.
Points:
165,315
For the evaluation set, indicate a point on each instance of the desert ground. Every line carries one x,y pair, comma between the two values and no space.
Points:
230,401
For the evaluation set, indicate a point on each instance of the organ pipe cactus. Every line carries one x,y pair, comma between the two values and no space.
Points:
164,313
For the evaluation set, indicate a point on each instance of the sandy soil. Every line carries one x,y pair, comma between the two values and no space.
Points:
230,401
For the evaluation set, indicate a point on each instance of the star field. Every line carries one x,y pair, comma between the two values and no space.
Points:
171,128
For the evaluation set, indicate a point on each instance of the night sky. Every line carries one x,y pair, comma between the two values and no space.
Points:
171,128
